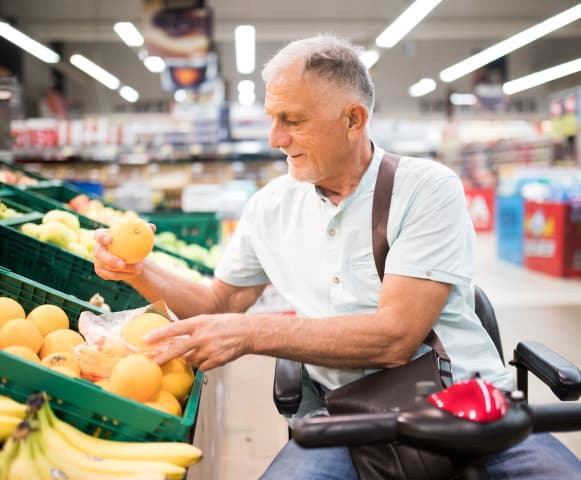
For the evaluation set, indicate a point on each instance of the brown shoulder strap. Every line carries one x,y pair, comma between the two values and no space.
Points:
379,217
380,210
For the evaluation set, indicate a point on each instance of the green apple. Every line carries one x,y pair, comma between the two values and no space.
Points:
30,229
66,218
57,233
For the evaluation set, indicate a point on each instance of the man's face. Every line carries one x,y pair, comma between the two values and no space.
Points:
308,124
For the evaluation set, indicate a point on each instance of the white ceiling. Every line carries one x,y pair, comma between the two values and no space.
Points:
454,30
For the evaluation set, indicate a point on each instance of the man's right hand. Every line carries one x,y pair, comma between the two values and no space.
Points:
109,266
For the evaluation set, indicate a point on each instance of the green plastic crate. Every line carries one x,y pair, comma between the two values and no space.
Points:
43,204
14,167
78,401
62,193
62,270
26,212
202,228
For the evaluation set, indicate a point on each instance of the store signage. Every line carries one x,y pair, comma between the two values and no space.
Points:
552,242
480,202
174,31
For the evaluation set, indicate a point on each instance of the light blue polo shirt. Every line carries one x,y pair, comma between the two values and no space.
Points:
319,256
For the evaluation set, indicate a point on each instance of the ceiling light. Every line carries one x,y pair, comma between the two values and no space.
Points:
154,64
463,99
246,98
129,94
413,15
180,95
510,44
369,58
245,86
129,34
26,43
543,76
244,36
423,87
95,71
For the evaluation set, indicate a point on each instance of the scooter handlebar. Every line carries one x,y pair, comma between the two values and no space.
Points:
345,430
433,429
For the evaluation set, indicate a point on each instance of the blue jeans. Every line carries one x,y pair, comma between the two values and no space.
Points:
539,457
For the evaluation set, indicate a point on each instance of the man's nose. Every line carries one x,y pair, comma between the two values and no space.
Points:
278,137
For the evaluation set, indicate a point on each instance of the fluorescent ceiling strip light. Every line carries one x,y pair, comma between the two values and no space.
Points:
463,99
129,34
154,64
511,44
129,94
542,76
369,58
246,98
95,71
244,36
28,44
423,87
402,25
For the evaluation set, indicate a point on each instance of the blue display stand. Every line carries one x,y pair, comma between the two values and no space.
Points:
510,228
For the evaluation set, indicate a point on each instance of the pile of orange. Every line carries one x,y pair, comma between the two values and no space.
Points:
44,337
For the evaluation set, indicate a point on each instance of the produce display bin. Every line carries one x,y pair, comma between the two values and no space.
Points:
80,402
25,211
202,228
21,171
42,204
62,270
60,194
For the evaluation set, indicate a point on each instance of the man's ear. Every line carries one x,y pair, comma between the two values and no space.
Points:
357,117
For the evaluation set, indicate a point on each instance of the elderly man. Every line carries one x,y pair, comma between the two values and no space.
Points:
309,234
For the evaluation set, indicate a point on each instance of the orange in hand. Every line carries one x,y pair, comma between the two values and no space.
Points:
132,239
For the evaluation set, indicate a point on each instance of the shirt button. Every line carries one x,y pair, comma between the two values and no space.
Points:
332,232
336,280
428,273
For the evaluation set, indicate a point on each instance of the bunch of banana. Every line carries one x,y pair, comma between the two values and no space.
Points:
11,414
39,449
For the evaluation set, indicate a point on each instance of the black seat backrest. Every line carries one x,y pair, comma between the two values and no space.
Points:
485,312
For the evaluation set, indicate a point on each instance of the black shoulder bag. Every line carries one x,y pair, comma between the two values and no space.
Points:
393,388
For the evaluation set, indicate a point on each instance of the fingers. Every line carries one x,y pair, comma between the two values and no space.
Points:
109,266
174,329
102,236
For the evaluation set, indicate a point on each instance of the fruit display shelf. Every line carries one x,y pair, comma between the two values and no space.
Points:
40,203
39,199
19,172
80,402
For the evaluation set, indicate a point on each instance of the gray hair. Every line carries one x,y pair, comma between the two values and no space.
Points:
328,57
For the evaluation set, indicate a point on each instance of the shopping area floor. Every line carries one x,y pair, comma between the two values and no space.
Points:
528,305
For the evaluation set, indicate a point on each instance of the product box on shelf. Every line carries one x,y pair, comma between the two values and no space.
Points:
509,227
80,402
552,237
480,203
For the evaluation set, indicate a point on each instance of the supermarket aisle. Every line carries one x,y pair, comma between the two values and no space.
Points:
528,306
